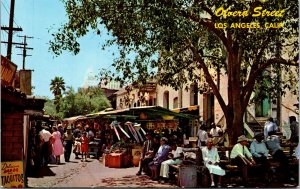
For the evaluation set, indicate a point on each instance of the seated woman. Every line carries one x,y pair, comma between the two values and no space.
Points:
160,156
175,157
211,161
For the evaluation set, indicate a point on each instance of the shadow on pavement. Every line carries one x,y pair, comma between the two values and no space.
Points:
133,181
73,162
41,172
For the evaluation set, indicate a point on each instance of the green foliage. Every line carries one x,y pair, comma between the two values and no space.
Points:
57,86
50,109
161,33
83,102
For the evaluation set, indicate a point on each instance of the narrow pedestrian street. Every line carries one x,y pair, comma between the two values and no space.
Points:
89,174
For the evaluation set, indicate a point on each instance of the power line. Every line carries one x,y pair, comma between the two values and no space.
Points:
5,7
24,54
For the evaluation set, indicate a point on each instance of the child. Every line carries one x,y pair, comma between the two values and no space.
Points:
84,145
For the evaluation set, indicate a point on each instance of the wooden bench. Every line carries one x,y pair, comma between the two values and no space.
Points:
174,169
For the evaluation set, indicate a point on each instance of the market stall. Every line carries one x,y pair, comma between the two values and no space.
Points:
130,125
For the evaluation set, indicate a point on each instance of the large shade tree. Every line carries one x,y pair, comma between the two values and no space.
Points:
180,40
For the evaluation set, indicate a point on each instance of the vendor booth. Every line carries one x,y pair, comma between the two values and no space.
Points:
126,129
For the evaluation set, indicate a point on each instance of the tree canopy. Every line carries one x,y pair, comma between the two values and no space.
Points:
85,101
176,41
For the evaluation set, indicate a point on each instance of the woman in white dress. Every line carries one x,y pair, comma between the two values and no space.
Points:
211,161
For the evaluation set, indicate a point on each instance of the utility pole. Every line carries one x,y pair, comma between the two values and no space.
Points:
11,29
24,54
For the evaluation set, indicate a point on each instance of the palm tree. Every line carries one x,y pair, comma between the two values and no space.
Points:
57,85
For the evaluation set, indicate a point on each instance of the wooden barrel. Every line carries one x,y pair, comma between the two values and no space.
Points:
136,160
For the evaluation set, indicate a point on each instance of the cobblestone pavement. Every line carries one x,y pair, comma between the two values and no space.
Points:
89,174
94,174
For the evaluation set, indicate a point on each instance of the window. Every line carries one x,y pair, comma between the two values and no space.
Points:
193,94
175,102
151,101
166,100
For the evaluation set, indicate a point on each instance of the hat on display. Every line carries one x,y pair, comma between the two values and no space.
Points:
114,123
137,124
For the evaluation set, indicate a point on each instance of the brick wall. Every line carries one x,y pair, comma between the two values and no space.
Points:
11,136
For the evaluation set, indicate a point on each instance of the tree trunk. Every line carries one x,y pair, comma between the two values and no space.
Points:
234,116
235,127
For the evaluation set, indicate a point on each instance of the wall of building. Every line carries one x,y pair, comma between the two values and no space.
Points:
287,109
134,99
12,136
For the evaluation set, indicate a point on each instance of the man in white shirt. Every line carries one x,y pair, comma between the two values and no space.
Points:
176,157
217,134
270,128
45,137
215,131
202,136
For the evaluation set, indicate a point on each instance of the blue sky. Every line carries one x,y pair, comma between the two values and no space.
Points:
36,17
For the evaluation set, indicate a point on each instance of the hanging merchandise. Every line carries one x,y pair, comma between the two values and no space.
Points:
137,128
151,125
123,131
132,130
115,124
143,131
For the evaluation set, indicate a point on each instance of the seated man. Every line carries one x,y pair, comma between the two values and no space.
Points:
241,156
273,144
270,127
211,160
260,152
175,157
160,156
216,134
147,152
202,136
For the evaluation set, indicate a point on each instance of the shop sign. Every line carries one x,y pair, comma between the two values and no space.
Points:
12,174
160,125
8,70
25,81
